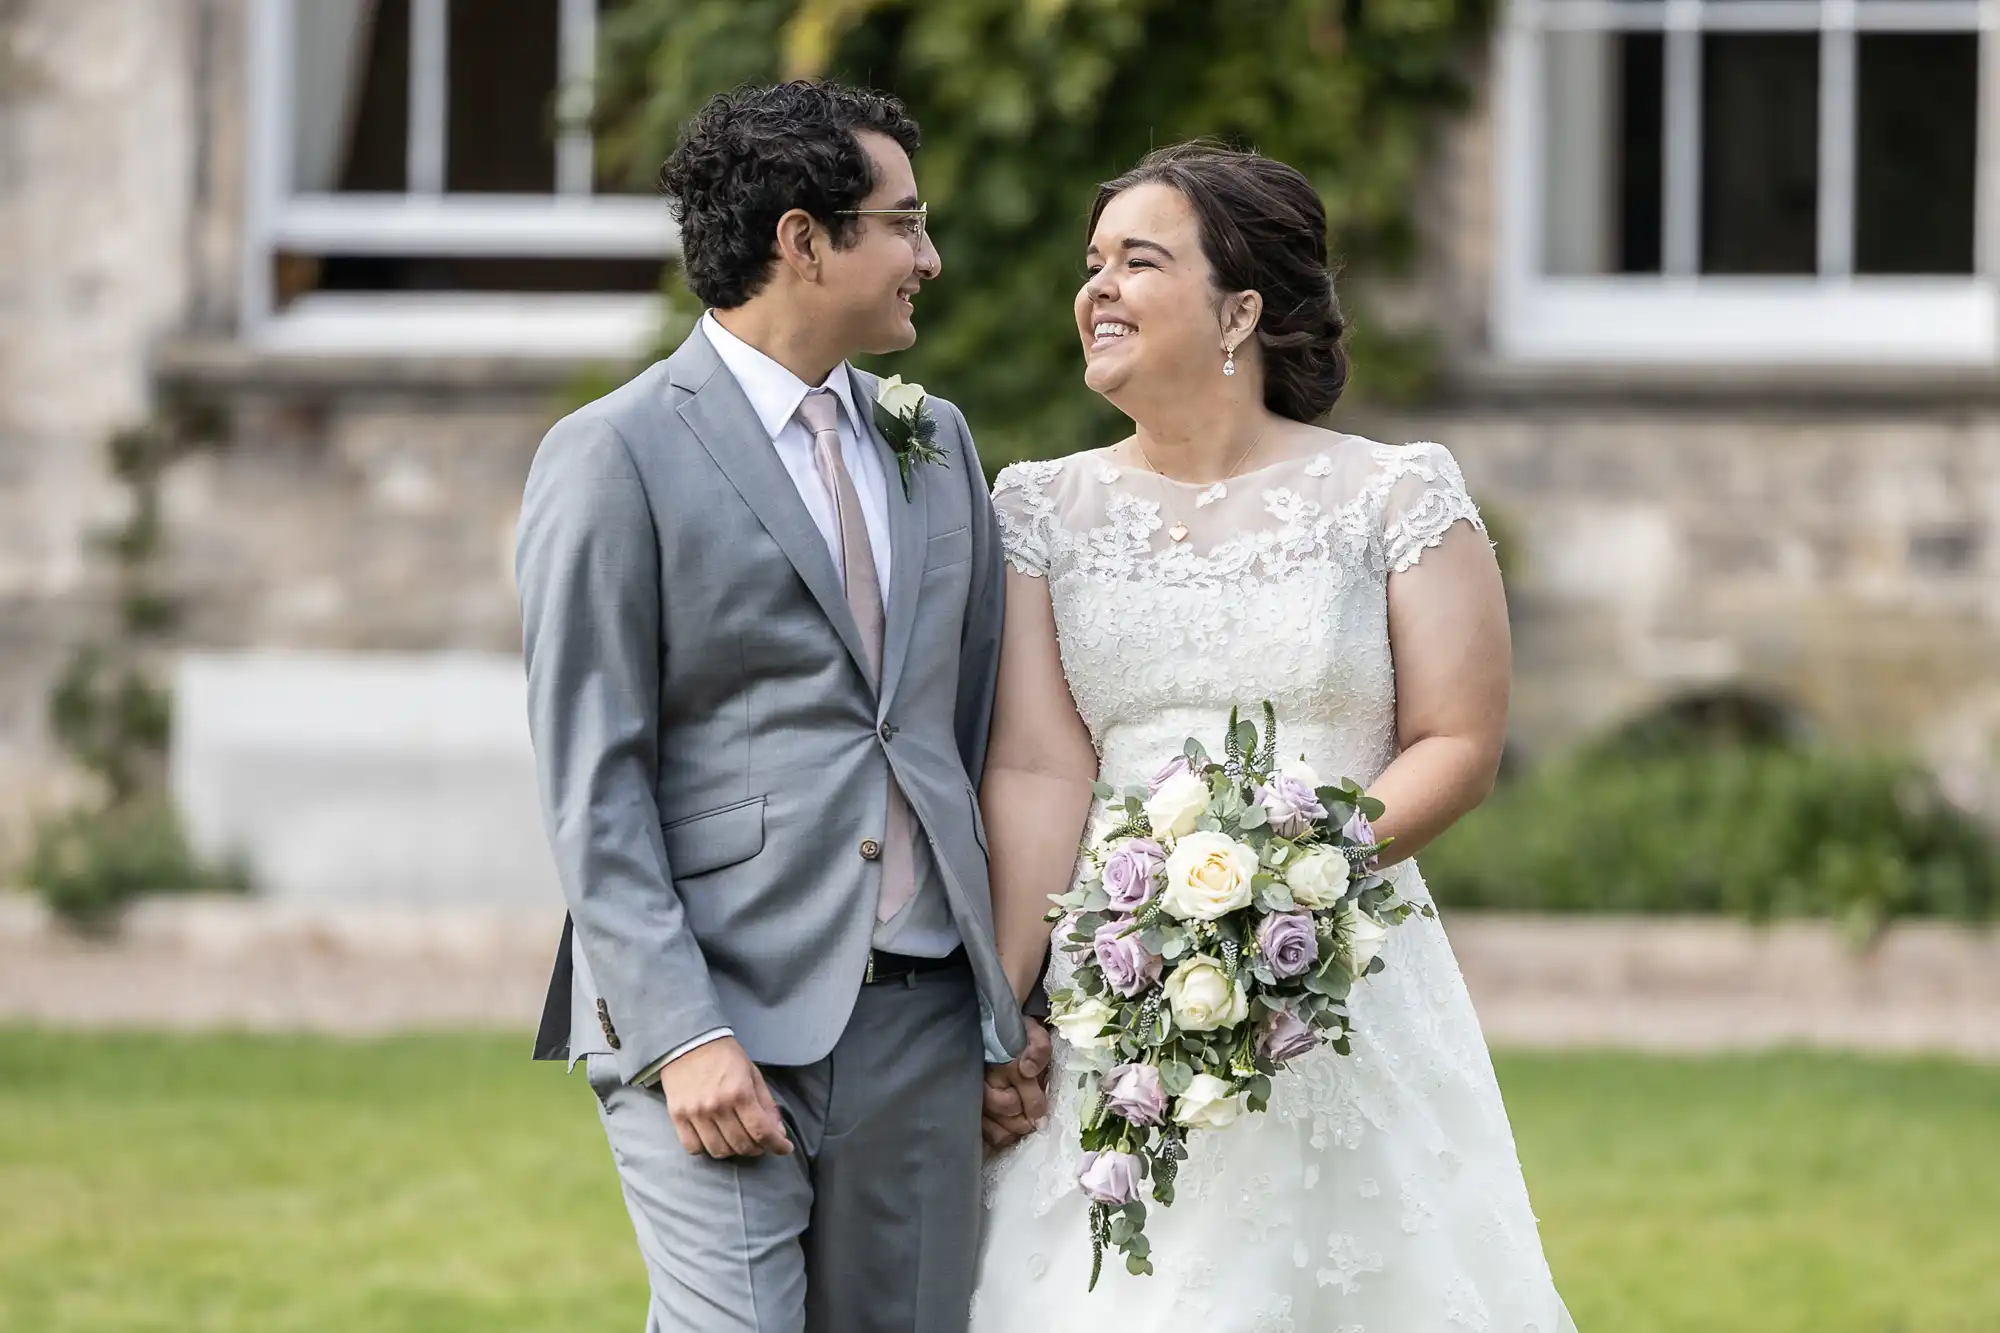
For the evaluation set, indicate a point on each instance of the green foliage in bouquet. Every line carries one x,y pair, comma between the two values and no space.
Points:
1654,821
1027,105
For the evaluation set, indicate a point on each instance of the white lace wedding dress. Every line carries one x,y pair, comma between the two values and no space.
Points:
1381,1192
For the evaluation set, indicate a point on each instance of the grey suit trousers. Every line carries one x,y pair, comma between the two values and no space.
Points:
870,1226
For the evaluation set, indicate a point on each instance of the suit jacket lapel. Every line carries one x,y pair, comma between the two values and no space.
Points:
722,419
908,525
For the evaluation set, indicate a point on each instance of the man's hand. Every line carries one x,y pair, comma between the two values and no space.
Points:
1016,1102
720,1105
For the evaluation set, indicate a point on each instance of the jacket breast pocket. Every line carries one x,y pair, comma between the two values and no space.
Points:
948,549
714,838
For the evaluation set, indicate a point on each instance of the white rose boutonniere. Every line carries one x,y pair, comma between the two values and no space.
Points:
903,415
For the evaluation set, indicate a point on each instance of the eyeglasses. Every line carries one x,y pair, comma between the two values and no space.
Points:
915,220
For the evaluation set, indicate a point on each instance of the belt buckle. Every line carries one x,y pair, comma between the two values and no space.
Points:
868,977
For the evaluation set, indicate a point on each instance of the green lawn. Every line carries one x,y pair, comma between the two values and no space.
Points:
444,1184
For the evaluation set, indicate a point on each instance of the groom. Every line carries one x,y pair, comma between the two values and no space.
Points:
761,643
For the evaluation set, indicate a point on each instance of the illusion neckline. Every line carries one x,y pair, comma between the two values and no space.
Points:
1107,456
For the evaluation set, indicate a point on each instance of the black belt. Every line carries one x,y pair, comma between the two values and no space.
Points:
885,966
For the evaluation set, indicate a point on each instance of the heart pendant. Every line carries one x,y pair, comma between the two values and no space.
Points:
1179,532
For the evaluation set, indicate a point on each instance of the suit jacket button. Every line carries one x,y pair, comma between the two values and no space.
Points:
871,850
888,732
611,1040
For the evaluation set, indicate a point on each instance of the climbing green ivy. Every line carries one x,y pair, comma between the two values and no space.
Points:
113,718
1027,105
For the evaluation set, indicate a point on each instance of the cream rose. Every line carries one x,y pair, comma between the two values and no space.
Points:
1180,801
1208,1104
1362,936
1317,877
899,399
1083,1024
1208,876
1202,998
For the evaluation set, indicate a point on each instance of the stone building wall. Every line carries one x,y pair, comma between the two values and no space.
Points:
1842,560
97,183
1841,551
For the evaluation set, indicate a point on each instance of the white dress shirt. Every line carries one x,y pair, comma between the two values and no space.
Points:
925,927
775,394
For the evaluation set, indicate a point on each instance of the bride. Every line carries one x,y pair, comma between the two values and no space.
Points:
1230,552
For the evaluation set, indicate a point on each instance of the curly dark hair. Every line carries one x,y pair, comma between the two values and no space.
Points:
1263,229
750,156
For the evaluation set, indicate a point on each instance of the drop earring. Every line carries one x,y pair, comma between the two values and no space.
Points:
1228,359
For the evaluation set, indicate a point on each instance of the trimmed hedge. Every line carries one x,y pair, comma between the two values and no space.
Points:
1748,829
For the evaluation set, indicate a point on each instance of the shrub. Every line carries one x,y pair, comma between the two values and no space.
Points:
88,864
1648,823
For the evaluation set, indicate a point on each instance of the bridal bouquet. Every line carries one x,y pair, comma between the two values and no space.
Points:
1217,927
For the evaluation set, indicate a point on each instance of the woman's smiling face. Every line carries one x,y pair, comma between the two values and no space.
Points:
1147,314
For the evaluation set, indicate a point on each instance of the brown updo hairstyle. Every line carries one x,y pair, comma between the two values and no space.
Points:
1263,229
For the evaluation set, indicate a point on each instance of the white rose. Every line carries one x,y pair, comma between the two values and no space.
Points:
1363,936
1208,876
1300,769
1173,809
1208,1104
1083,1024
1202,998
898,398
1317,877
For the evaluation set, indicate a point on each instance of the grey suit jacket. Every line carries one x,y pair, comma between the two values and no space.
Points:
713,759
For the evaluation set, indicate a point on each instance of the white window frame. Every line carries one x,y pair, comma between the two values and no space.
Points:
1683,318
571,222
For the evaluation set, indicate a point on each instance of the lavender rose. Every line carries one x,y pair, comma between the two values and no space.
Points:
1129,871
1285,1036
1358,829
1136,1093
1111,1177
1288,942
1173,768
1128,965
1291,805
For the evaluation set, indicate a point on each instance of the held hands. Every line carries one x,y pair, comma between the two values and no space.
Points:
1016,1100
720,1104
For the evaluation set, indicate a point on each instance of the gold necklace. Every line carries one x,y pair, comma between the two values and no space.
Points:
1179,531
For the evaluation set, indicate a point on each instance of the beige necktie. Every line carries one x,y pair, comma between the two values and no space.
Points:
821,414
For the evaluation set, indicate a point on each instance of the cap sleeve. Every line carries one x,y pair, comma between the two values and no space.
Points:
1027,515
1424,495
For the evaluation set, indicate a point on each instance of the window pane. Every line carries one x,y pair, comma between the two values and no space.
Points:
1916,153
1601,208
420,273
350,94
501,135
1760,153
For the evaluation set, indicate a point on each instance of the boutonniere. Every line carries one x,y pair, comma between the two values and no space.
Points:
903,415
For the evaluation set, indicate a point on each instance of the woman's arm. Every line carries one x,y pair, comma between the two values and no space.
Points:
1448,637
1039,768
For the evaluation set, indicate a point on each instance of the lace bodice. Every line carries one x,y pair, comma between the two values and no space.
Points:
1279,591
